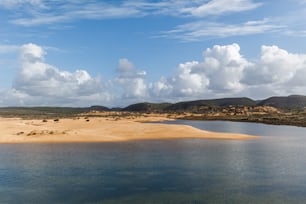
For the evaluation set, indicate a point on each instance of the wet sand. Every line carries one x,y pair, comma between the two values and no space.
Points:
101,129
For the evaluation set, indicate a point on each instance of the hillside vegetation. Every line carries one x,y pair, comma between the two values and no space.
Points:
289,110
293,102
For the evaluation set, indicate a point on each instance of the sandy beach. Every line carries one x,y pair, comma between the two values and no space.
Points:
100,129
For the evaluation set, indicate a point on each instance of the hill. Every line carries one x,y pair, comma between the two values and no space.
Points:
213,103
289,102
189,105
282,102
147,107
293,102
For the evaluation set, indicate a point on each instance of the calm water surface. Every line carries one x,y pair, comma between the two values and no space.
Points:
267,170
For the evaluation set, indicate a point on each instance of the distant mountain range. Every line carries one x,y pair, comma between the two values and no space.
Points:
286,102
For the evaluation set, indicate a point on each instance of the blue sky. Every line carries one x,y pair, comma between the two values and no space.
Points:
113,53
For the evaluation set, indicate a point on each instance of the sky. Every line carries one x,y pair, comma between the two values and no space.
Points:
114,53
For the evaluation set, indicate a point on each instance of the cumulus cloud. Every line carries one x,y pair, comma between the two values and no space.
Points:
276,66
223,72
276,72
184,84
220,72
223,66
131,80
39,83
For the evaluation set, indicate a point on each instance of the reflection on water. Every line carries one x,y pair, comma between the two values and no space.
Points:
244,128
269,170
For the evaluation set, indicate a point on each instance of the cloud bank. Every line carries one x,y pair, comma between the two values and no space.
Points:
223,72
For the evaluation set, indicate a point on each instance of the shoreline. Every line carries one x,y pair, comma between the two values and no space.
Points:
96,129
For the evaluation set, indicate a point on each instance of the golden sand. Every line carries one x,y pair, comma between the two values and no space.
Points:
101,129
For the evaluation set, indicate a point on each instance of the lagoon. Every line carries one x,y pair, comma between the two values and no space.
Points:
266,170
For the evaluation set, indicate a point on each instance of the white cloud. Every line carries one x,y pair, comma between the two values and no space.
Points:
39,20
49,12
276,66
223,72
223,65
278,72
195,8
202,29
13,97
14,3
205,18
296,33
39,83
220,72
185,83
65,11
218,7
131,80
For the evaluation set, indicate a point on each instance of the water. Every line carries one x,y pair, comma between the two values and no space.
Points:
267,170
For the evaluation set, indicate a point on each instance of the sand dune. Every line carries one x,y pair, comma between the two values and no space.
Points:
100,129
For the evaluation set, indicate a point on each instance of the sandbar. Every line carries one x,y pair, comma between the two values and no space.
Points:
101,129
